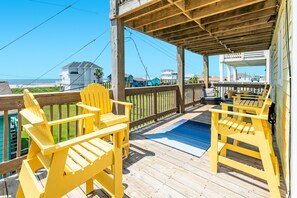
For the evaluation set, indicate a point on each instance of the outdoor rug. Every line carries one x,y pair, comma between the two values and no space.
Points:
185,135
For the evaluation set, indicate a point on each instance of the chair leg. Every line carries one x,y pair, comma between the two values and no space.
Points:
224,150
126,151
89,186
214,152
267,161
20,193
126,142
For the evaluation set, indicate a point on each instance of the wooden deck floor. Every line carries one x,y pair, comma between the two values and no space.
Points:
156,170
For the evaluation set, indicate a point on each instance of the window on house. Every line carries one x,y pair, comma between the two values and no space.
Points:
280,52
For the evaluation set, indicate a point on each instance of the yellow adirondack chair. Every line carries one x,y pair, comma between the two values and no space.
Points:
260,95
256,133
72,162
95,99
257,104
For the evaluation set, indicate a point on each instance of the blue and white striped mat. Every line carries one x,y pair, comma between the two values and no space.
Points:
185,135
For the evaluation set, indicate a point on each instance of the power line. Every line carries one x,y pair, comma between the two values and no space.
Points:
90,42
63,5
167,53
37,26
144,67
101,52
159,48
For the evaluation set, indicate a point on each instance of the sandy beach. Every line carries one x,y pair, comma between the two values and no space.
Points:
12,86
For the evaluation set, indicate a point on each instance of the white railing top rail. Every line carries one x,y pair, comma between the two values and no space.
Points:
245,55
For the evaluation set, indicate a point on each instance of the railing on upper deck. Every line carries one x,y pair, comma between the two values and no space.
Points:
239,86
149,104
244,55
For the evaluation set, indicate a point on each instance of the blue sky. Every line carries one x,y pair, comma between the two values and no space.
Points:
39,53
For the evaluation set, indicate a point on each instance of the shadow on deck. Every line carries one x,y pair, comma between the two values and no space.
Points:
156,170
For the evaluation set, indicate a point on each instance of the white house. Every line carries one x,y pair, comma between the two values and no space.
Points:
77,75
168,76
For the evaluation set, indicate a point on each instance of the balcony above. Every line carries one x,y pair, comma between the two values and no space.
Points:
255,58
204,27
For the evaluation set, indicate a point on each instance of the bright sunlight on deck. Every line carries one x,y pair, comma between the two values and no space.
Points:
156,170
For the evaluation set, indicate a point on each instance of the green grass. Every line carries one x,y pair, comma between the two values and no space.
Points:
36,90
72,131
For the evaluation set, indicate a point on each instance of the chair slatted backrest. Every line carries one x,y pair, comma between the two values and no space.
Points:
97,96
266,100
36,116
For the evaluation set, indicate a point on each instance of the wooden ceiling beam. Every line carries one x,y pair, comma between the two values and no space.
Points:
248,38
160,5
244,18
237,50
212,9
244,11
229,41
176,29
248,30
170,11
195,30
258,29
189,36
168,22
221,7
249,43
235,34
246,24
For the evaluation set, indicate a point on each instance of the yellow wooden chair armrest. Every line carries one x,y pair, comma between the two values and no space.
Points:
248,95
47,147
97,134
219,111
122,103
70,119
248,108
90,108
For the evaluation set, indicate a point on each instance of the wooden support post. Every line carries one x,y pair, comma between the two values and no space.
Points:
117,54
181,77
206,70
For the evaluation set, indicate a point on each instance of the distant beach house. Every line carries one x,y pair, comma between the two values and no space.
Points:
168,76
77,75
139,82
154,82
4,88
128,79
12,119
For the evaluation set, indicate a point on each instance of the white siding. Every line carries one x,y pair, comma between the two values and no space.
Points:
281,92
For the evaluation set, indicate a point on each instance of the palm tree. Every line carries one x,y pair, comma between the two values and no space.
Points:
194,79
98,74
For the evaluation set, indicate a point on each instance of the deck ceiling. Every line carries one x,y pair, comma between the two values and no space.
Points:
207,27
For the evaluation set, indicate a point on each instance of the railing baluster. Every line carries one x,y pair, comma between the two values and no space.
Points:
19,133
155,104
76,122
68,124
52,116
60,126
5,138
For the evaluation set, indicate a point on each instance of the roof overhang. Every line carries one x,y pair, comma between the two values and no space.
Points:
207,27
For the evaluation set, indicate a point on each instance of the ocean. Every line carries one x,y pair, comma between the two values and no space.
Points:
31,82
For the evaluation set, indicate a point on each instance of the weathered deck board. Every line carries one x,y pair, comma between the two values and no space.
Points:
156,170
